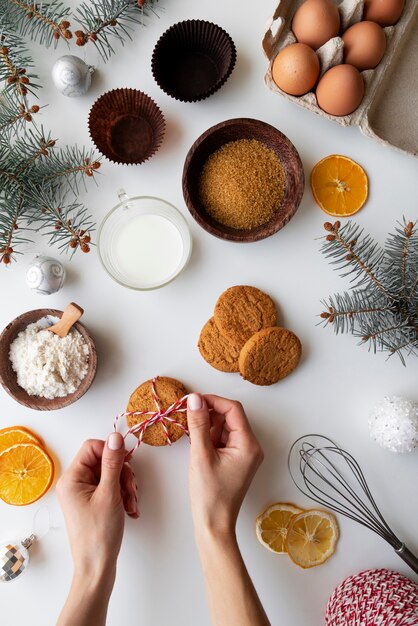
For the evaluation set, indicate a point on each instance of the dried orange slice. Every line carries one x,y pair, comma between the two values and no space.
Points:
271,526
26,473
311,537
339,185
17,434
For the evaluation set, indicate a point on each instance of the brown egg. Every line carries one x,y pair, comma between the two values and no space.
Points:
340,90
296,69
315,22
384,12
364,45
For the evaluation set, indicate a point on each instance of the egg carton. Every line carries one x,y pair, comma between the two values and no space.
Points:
389,109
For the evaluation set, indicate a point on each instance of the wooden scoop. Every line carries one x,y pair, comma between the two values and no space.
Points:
70,316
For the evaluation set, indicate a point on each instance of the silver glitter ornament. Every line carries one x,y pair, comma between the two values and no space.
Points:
393,424
45,275
71,76
14,558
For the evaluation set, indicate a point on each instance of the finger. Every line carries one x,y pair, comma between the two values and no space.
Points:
233,411
86,464
198,420
129,491
217,426
112,462
236,430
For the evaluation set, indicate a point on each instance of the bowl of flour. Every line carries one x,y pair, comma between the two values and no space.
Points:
42,370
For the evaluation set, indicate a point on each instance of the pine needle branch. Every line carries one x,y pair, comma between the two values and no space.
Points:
384,312
40,152
10,237
67,223
346,310
402,258
16,65
359,254
43,21
15,115
109,20
70,164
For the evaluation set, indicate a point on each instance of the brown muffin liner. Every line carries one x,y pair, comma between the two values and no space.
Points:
193,59
126,126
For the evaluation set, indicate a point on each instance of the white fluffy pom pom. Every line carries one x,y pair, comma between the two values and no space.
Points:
393,424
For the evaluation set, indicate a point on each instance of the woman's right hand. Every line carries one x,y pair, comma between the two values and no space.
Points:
224,458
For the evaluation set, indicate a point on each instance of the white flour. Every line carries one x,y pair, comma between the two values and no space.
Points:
47,365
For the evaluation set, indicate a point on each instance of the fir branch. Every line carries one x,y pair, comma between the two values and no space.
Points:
19,158
346,310
384,313
70,164
360,255
68,224
44,21
11,210
16,64
109,19
42,151
402,259
389,335
14,116
8,179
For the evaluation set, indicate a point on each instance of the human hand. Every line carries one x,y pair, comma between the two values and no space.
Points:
94,493
224,458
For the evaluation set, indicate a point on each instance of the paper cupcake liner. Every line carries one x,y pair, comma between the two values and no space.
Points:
126,126
193,59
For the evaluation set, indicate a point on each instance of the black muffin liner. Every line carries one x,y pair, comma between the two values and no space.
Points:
126,126
193,59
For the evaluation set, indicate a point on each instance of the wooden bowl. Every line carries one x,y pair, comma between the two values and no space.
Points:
8,375
233,130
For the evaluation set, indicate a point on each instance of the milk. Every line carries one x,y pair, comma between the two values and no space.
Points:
147,250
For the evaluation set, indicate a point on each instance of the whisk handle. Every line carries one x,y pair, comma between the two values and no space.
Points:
408,557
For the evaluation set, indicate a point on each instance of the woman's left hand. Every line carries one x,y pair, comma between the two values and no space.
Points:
95,492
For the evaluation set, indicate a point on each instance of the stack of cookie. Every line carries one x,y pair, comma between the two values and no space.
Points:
243,336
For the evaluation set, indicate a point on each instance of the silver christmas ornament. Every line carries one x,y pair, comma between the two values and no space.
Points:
45,275
393,424
14,558
71,76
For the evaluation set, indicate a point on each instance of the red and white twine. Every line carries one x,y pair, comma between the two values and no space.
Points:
160,416
377,597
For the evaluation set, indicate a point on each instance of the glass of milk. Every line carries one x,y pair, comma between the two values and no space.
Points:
144,242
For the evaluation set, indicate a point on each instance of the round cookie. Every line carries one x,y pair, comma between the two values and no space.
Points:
242,311
168,390
217,350
271,354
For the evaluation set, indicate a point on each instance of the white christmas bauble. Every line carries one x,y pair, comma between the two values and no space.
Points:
393,424
71,76
45,275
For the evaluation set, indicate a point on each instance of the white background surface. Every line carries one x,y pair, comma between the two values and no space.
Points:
140,335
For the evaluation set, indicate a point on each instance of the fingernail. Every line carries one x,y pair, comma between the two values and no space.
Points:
195,402
115,441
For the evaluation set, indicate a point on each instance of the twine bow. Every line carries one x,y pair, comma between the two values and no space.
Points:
160,416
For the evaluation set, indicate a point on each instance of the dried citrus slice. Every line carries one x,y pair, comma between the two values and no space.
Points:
311,537
26,473
339,185
17,434
271,526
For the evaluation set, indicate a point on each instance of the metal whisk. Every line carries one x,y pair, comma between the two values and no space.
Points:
332,477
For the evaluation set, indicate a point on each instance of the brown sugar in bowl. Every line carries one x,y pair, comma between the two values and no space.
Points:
233,130
8,375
